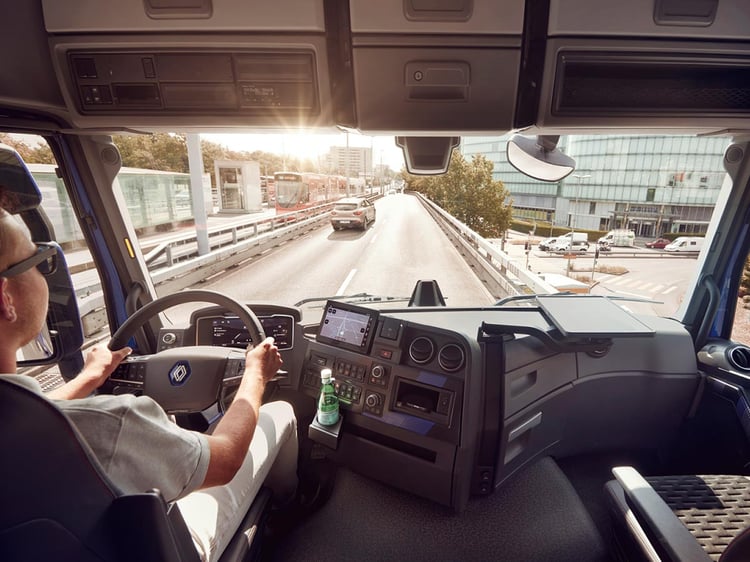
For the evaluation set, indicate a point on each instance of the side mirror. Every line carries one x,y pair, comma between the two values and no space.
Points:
62,338
539,158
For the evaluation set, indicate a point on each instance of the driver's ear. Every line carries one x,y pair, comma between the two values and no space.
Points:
7,308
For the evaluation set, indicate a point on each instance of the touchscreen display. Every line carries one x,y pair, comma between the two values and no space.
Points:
347,326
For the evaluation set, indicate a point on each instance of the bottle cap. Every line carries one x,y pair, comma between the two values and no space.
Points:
325,374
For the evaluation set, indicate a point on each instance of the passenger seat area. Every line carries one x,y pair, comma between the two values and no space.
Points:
686,517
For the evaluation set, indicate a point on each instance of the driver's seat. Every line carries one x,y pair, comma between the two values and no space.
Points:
57,503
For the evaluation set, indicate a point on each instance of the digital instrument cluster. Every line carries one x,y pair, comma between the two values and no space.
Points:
230,331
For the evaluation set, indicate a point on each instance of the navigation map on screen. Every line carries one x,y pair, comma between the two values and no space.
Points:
350,327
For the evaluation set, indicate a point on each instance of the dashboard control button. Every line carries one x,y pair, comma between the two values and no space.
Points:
169,338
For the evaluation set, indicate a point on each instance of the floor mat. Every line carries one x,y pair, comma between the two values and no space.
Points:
536,516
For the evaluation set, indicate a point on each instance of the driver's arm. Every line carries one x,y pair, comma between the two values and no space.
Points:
230,440
99,364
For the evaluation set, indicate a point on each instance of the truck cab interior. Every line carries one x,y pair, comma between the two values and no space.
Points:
486,432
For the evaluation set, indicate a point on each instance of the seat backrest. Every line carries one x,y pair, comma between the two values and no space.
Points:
57,502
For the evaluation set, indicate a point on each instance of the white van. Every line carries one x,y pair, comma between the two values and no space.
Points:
571,242
619,237
685,244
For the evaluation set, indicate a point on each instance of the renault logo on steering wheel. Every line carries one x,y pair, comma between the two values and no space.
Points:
179,373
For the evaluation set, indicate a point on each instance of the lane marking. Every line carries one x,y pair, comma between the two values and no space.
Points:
673,288
346,282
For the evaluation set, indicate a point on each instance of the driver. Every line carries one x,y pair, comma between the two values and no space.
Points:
214,477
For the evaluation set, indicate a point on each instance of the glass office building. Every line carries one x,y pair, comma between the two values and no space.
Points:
650,184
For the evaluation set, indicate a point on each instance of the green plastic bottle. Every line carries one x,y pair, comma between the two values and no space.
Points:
328,403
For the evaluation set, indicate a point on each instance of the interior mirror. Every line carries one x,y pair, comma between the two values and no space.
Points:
539,157
427,155
23,193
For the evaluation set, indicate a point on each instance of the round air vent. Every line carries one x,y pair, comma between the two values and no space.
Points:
421,350
451,357
739,358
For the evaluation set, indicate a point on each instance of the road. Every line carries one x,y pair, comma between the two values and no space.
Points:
401,247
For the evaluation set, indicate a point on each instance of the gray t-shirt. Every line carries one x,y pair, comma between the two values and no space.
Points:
138,446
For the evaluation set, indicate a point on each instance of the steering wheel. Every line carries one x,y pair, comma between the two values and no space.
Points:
183,379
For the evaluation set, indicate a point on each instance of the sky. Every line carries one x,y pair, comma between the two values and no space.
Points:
311,145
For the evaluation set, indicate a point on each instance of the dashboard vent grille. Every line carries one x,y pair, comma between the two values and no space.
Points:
451,357
739,358
421,350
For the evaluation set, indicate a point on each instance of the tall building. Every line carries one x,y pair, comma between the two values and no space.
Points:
354,161
650,184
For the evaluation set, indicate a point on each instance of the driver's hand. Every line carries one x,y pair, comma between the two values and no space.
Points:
100,363
265,358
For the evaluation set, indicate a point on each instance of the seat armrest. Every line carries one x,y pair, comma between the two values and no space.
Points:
659,521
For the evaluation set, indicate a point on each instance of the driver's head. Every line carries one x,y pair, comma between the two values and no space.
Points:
23,297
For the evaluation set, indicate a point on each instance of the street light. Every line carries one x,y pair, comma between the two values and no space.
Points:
578,194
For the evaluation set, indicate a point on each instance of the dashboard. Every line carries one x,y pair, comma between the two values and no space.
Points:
447,403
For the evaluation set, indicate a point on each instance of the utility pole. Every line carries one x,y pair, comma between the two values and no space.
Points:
573,222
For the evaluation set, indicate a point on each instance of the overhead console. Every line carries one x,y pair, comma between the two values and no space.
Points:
435,67
213,69
682,71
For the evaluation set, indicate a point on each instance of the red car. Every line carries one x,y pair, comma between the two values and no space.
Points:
659,243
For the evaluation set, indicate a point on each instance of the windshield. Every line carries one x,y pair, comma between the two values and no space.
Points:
604,230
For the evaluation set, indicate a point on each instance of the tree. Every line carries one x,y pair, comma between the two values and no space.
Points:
468,192
40,153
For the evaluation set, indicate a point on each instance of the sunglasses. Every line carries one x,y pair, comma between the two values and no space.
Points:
44,259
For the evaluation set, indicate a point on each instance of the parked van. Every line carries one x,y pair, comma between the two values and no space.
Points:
619,237
571,242
685,244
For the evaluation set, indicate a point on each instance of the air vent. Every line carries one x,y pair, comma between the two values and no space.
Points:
637,84
421,350
451,357
739,358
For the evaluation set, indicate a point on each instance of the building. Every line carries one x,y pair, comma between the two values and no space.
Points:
650,184
353,161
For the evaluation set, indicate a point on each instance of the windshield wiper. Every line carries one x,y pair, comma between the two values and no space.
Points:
358,297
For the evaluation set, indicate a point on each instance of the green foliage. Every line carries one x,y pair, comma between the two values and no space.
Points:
468,192
168,152
38,154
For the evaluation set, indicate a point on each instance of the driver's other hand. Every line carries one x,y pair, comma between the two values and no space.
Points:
101,362
265,357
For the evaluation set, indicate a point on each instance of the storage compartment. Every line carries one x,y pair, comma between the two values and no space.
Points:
423,401
440,90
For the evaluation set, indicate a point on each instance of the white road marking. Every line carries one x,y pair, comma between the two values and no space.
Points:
346,282
673,288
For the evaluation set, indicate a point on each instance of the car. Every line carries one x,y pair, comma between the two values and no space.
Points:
547,244
565,245
658,244
352,212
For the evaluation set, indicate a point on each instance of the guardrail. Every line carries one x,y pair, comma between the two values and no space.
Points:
501,275
176,265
